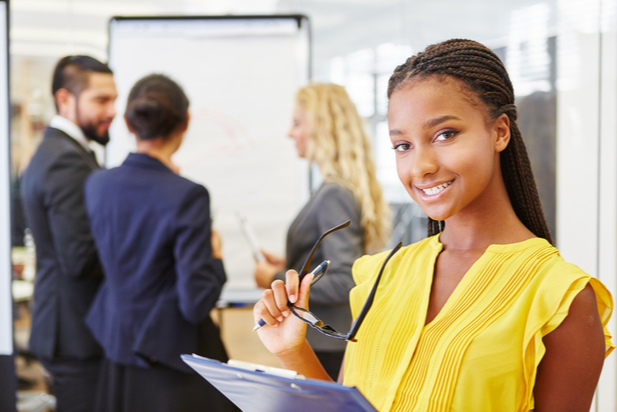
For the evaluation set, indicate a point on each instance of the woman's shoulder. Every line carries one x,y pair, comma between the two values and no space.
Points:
333,188
180,186
332,199
161,185
556,270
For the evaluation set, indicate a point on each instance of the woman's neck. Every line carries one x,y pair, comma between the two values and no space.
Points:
159,148
490,220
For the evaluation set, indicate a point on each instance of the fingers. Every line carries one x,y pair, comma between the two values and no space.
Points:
280,297
260,311
274,303
273,259
269,256
272,307
291,283
264,273
305,288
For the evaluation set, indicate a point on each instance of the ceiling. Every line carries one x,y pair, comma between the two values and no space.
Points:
52,28
41,31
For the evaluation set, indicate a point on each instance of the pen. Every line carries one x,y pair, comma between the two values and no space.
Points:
322,268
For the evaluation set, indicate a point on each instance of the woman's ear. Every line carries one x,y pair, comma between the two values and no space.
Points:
128,126
185,125
502,132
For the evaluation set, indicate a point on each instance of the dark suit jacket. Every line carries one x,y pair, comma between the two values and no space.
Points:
68,270
330,206
152,229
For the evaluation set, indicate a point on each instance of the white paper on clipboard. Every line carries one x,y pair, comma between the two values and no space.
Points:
251,238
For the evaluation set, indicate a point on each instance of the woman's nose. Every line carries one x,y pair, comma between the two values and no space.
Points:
424,162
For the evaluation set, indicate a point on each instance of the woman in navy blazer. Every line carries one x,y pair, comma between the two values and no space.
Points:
162,264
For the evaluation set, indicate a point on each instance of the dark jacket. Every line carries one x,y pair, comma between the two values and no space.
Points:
152,229
330,206
68,270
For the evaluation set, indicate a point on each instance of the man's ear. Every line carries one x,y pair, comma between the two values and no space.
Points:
65,101
501,129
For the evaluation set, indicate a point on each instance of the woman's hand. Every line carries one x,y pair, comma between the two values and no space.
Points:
217,245
283,334
275,260
265,271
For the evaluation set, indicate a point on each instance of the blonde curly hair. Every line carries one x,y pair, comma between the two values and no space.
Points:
338,145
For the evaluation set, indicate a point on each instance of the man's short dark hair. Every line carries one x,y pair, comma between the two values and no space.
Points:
71,73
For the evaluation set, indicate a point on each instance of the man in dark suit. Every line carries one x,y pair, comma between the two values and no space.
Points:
68,268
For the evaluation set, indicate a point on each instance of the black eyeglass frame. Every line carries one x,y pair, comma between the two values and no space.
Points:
316,323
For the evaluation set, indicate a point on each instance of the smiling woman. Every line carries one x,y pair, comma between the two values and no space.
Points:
484,314
447,158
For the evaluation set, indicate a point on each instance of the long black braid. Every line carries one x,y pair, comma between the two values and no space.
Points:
482,71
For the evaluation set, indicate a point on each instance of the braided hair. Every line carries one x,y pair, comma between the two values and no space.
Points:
484,74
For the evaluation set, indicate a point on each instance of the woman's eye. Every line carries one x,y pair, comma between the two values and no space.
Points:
446,135
401,147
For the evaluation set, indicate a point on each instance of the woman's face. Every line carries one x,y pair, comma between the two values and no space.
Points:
447,153
299,130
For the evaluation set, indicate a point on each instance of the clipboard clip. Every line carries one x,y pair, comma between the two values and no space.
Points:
285,373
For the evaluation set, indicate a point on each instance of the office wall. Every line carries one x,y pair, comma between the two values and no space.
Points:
587,152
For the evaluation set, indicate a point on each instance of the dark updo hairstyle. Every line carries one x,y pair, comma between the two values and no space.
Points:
485,75
156,107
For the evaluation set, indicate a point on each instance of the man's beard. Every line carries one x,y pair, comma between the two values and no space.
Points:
90,132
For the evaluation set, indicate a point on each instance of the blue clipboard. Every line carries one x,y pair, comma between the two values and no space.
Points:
266,389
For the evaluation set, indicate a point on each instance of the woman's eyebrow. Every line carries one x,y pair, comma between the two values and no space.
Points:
437,120
428,124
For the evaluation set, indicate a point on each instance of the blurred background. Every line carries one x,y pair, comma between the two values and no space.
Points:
355,43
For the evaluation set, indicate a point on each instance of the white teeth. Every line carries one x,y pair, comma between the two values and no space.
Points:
436,189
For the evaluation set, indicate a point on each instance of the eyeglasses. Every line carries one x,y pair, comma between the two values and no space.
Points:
316,323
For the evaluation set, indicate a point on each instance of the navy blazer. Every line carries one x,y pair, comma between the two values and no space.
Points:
152,230
68,272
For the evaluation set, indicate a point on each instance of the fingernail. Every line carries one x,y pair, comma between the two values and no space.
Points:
292,298
280,318
286,313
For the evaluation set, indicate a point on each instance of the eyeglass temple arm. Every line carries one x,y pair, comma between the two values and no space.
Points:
309,259
369,301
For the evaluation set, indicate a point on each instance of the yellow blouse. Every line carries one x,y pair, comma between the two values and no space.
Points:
482,351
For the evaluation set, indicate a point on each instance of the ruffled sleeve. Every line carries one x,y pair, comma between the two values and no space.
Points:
554,296
603,298
605,309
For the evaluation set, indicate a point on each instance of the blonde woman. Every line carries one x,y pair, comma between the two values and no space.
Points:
329,133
